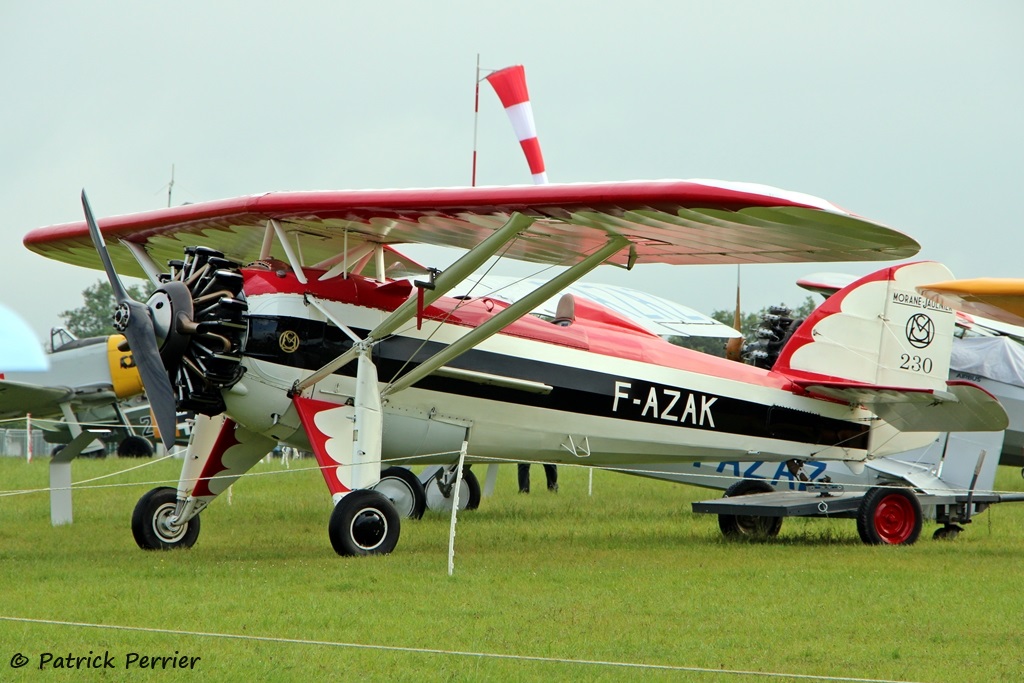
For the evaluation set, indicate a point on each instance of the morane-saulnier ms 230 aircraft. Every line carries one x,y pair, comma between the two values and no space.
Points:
286,321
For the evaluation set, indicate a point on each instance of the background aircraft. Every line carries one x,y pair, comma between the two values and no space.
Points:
89,382
998,298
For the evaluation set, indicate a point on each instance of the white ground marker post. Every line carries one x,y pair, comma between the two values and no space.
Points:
60,475
455,509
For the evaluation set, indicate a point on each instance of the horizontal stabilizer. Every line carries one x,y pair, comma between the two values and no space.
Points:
963,407
921,477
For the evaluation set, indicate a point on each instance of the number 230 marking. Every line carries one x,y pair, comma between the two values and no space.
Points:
915,363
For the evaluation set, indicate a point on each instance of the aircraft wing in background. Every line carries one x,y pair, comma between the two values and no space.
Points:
655,314
18,399
1001,299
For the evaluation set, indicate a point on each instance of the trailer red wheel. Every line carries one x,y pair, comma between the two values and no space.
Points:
889,516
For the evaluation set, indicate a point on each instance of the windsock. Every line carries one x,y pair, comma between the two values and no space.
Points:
510,84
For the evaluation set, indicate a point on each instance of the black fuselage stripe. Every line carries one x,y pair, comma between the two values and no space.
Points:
574,390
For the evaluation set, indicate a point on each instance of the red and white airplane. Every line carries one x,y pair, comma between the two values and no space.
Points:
291,319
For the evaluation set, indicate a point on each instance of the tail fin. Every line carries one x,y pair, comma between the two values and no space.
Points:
880,344
877,330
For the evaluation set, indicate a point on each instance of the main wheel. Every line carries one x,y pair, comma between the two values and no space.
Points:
403,488
150,525
364,522
889,516
134,446
469,493
749,526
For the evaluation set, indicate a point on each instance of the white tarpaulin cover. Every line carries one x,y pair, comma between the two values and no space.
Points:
998,358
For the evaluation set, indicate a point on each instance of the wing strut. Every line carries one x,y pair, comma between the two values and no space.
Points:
293,258
447,280
508,315
144,260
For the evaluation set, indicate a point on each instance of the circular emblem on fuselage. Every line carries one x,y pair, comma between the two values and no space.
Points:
289,341
920,330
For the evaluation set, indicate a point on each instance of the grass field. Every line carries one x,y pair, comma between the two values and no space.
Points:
546,587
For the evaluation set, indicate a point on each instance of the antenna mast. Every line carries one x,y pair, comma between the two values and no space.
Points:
170,186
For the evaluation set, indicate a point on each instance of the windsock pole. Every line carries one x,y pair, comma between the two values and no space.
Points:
476,117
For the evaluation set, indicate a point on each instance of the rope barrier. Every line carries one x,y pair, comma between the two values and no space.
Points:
429,457
449,653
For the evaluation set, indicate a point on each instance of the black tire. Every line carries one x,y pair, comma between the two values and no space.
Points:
469,494
404,490
364,522
147,527
947,533
889,516
134,446
749,526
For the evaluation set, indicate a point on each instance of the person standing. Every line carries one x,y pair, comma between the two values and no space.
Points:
550,473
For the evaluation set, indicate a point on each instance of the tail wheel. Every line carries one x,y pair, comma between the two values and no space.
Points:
204,357
889,516
749,526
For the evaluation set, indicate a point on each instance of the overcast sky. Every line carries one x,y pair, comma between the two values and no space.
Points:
908,113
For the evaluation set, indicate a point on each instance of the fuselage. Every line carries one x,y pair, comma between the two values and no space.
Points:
602,390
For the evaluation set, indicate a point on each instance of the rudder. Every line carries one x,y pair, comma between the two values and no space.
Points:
876,331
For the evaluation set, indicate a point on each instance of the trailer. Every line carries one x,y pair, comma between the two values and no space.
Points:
949,481
891,514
